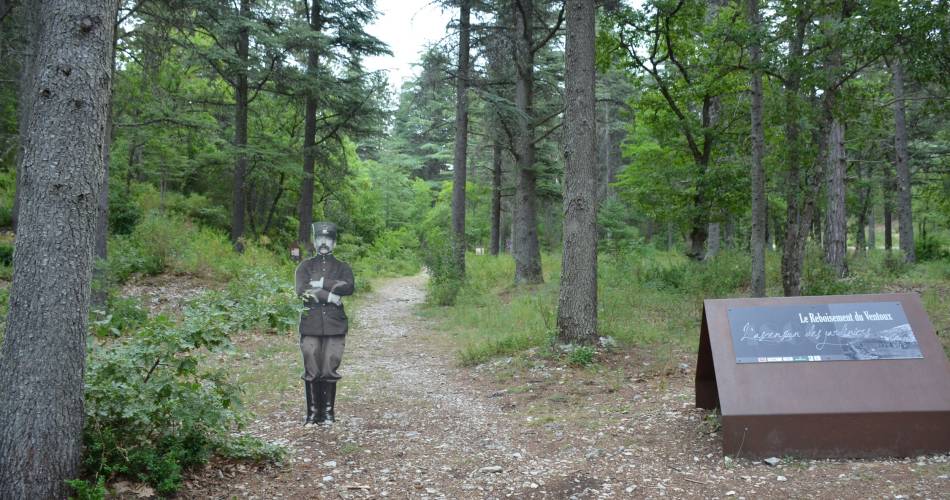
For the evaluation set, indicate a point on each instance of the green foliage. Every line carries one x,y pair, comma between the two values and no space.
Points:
582,355
6,253
930,247
124,213
168,243
258,300
393,253
7,191
444,280
153,408
127,257
121,315
617,230
86,490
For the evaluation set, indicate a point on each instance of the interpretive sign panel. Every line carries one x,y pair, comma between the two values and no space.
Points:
872,377
822,332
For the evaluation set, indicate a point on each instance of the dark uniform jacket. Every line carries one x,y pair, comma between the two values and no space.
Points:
322,318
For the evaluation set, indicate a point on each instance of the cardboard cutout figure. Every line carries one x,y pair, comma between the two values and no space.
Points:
322,281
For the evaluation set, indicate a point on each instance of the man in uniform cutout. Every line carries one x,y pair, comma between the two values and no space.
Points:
320,281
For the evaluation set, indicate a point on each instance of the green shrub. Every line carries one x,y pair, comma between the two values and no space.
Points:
124,214
121,315
260,301
194,207
894,264
86,490
6,253
728,274
667,278
153,410
393,253
581,355
4,309
7,193
128,257
444,280
929,247
818,278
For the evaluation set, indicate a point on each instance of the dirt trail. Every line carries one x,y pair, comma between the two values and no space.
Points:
412,424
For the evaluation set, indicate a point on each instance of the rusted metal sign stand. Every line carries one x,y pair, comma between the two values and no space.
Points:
857,404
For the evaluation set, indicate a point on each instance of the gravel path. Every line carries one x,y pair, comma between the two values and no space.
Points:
412,424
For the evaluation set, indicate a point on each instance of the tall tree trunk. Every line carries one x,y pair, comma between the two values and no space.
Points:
527,251
757,238
836,222
872,229
44,348
792,257
497,161
241,99
461,142
902,163
712,108
577,299
888,188
699,231
864,200
305,205
836,228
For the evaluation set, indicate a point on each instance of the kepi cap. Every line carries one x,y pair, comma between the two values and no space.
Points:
324,229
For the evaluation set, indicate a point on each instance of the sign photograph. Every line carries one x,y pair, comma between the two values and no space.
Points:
822,332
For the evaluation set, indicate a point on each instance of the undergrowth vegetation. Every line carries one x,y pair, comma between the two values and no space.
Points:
652,299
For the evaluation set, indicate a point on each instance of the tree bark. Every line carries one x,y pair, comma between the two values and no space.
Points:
241,99
577,299
888,188
459,163
836,223
872,229
836,228
864,200
44,349
525,247
497,162
904,206
792,250
757,238
698,233
305,205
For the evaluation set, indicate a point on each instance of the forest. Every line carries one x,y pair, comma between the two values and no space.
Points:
589,172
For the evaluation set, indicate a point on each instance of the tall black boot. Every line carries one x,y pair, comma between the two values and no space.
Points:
330,400
319,402
311,407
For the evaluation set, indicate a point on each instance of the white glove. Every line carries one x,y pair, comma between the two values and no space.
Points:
334,299
317,284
